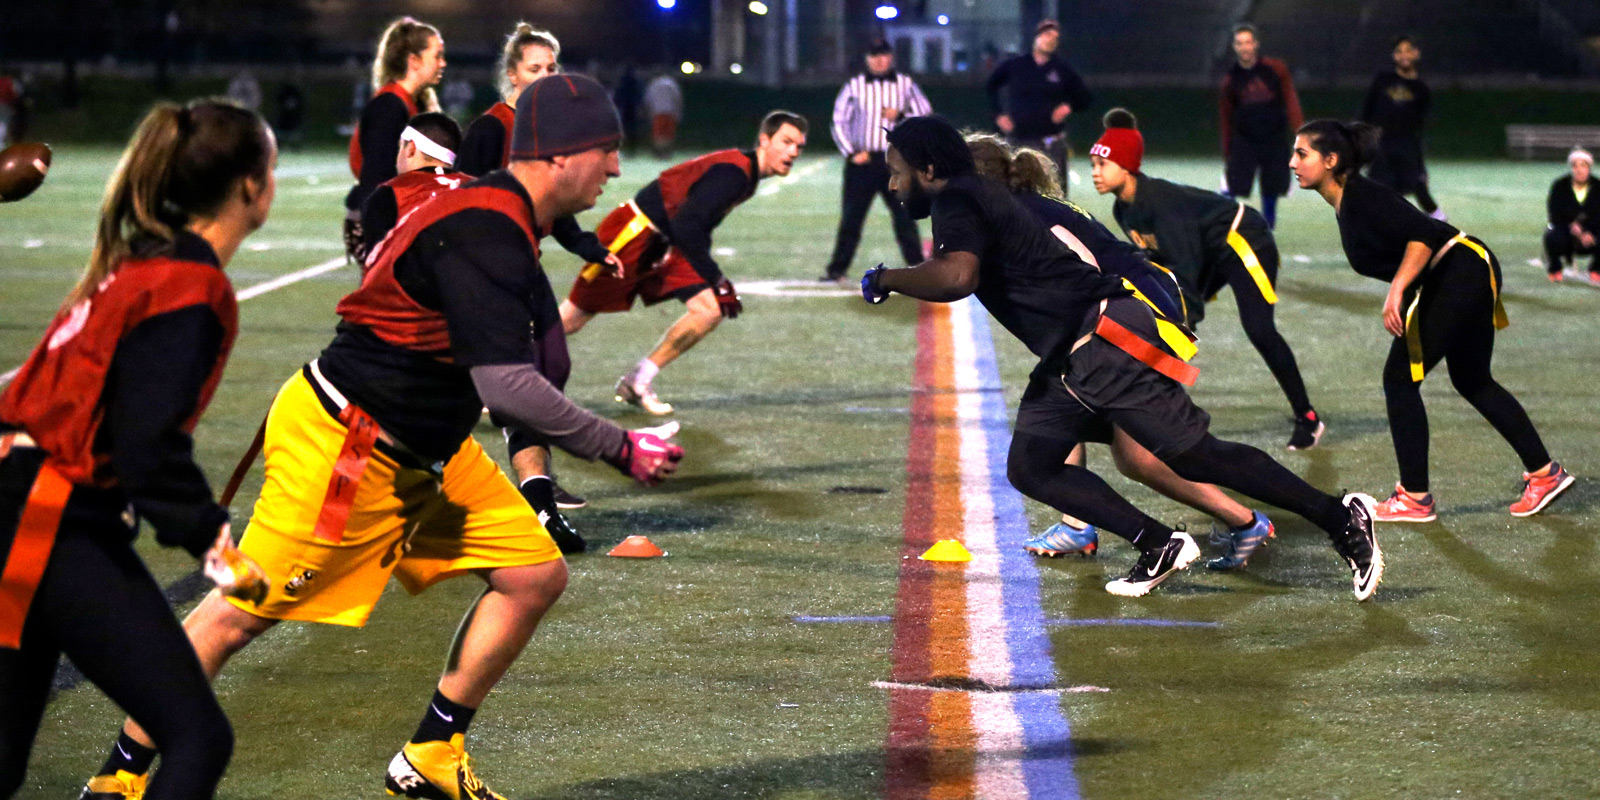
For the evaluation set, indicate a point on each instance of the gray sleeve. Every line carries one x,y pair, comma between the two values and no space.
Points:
520,395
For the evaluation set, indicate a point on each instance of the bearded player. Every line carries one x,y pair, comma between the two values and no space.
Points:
663,237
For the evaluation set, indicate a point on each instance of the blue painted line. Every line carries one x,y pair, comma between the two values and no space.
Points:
806,618
1047,770
1132,623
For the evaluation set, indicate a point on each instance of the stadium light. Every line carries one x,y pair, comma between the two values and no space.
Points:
758,7
943,19
689,67
887,12
667,4
736,68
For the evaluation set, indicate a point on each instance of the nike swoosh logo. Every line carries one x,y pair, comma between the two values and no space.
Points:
442,715
650,447
123,752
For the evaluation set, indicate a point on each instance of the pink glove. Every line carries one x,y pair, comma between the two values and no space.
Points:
648,456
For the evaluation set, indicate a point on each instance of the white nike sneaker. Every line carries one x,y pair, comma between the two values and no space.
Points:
642,397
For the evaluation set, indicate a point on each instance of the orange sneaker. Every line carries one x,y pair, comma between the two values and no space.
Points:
1539,490
1402,507
1555,277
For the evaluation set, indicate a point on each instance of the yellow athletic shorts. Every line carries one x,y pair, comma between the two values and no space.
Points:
404,521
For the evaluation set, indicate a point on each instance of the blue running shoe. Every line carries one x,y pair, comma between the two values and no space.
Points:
1062,539
1240,544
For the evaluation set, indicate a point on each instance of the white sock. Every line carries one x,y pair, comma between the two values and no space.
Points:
644,372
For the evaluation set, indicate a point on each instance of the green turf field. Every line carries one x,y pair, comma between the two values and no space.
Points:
1475,673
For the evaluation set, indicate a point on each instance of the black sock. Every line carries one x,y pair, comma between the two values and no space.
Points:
128,755
1269,209
443,719
1152,536
540,492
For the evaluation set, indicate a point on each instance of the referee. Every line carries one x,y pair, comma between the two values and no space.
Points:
867,107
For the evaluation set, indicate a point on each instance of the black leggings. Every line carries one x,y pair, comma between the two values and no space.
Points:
1456,318
97,604
1035,467
1256,316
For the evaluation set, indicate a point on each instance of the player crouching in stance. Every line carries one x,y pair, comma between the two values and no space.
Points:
1103,362
1443,304
371,464
663,237
1208,241
1031,177
95,434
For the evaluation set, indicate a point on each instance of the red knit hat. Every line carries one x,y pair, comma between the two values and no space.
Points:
1121,146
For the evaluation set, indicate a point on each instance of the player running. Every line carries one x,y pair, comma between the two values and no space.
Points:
95,434
531,54
410,62
1443,304
1104,361
1208,241
371,465
1030,175
426,163
663,237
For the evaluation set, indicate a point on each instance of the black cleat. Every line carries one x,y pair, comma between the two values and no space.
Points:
1155,566
1308,430
567,538
1357,544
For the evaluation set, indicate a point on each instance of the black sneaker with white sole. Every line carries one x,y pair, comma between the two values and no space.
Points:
566,500
1308,430
1155,566
1357,544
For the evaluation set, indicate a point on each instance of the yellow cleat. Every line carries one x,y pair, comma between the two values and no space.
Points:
436,771
121,786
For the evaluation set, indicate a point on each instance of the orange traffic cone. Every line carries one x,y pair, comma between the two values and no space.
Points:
637,546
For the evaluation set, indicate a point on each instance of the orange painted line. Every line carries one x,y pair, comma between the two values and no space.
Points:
931,736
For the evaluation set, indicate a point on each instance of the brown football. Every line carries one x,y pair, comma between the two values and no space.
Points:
22,168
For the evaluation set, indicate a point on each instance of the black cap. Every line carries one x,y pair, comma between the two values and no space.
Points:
562,114
879,47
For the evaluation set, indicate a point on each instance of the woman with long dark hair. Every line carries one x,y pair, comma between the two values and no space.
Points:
1443,305
95,434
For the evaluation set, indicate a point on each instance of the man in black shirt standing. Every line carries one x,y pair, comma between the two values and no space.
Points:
1398,103
1259,113
1033,95
1105,359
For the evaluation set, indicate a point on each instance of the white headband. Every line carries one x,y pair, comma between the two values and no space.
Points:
1579,154
428,146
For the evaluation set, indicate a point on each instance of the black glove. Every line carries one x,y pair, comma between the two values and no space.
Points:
727,299
869,286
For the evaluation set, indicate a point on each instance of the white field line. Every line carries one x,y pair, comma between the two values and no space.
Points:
994,716
773,187
248,293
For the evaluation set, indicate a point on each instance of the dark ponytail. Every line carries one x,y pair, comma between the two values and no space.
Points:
182,162
1355,143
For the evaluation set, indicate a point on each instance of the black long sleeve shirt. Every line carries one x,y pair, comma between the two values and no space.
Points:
722,187
1028,92
382,122
1564,207
1396,104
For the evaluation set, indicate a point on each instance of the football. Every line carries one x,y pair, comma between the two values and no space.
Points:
22,168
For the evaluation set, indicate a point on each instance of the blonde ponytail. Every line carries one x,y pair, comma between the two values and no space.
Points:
181,162
405,37
522,37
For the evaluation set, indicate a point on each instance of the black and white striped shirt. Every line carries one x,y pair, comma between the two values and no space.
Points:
858,123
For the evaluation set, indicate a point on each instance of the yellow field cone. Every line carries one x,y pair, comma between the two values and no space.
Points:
947,550
637,546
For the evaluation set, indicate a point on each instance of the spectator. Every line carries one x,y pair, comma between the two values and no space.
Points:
1039,92
291,124
626,97
1574,209
1260,112
663,101
245,90
457,97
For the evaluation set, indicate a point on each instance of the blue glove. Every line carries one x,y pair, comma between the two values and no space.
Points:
869,286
